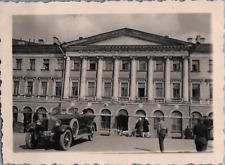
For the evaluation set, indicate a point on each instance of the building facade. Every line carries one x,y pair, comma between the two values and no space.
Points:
119,76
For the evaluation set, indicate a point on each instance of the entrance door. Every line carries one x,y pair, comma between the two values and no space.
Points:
122,122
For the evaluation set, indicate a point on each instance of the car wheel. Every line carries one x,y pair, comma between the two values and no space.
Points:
31,143
74,125
90,137
65,140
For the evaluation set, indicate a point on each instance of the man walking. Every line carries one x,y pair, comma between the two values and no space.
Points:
201,136
162,130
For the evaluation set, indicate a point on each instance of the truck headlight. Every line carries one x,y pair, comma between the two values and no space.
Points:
58,123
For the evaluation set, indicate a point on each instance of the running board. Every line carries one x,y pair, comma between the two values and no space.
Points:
82,136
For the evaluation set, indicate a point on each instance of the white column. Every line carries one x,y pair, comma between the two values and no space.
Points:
25,86
20,86
39,86
66,88
83,77
150,78
185,79
116,78
54,85
99,78
167,79
133,78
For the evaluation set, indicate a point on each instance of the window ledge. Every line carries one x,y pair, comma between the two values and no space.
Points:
141,70
92,70
124,70
44,69
108,70
59,69
176,71
158,71
75,70
30,69
196,71
17,69
210,71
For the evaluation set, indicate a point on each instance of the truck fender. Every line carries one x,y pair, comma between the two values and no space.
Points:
63,128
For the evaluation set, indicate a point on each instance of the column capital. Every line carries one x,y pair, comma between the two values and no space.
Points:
185,57
84,57
100,57
133,57
168,57
150,57
116,57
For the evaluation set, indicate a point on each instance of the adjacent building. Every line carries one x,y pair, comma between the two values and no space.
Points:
119,76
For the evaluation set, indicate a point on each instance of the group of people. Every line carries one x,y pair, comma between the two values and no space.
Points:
142,127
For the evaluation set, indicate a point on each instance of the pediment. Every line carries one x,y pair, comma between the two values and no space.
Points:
124,40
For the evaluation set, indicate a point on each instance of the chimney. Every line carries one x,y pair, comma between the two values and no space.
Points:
41,41
189,39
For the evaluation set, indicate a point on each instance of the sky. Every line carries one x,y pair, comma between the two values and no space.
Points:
71,27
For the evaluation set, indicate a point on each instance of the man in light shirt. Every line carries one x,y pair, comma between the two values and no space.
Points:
162,131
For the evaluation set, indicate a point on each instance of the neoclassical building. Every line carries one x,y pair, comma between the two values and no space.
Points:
119,76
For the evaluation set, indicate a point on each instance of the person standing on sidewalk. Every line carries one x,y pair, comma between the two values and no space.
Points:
162,131
201,134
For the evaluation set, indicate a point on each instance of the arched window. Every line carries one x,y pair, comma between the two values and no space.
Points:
140,113
105,119
176,122
157,113
210,115
88,110
42,111
195,116
122,120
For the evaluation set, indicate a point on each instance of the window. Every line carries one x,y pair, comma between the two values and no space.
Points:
125,65
196,92
32,64
58,89
16,88
176,65
176,90
75,89
76,65
210,65
124,89
176,122
92,65
142,65
91,89
141,89
18,64
60,64
105,119
210,91
29,87
159,66
44,88
159,90
108,65
195,66
46,64
157,114
108,89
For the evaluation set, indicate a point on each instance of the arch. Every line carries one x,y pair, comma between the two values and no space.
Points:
157,114
123,112
42,110
122,120
88,111
105,119
27,112
72,110
140,113
176,117
210,115
15,114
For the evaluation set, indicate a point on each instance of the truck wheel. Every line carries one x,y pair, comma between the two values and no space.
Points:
90,137
65,140
31,143
74,125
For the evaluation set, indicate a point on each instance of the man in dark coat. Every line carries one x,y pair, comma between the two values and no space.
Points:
201,136
162,131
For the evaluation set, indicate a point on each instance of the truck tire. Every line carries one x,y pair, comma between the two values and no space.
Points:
65,140
31,143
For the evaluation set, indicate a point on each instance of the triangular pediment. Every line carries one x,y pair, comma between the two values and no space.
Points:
125,36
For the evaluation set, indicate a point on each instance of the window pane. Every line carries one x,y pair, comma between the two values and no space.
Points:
142,65
108,89
125,65
176,65
60,64
16,88
75,89
58,89
44,88
210,91
158,89
18,63
91,89
159,65
92,65
30,87
210,65
108,65
196,91
32,64
124,89
176,90
46,64
195,65
76,65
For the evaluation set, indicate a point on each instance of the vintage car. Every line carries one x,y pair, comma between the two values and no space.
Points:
61,129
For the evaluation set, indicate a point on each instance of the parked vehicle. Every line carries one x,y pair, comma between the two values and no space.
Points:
61,129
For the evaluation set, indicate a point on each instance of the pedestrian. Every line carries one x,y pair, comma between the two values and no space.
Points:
187,133
139,127
162,131
201,134
145,127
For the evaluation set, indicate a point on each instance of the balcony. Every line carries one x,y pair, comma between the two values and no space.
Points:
196,100
106,98
124,98
177,100
141,99
159,100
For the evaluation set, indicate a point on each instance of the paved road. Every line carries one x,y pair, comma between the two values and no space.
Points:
115,144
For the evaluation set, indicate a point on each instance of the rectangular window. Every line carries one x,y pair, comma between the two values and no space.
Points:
32,64
46,64
108,89
58,89
142,65
76,65
124,89
92,65
44,88
75,89
60,64
159,90
141,89
29,87
125,65
210,91
195,66
18,64
108,65
176,90
16,88
210,65
159,66
196,92
91,89
176,65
